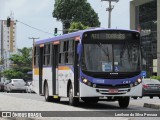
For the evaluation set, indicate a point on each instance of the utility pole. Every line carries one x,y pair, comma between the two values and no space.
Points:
109,9
33,38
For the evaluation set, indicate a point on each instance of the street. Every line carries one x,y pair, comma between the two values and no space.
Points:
34,102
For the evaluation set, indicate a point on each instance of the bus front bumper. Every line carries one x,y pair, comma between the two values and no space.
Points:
87,91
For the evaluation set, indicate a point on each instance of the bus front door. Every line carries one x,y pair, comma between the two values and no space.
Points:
40,69
54,66
76,70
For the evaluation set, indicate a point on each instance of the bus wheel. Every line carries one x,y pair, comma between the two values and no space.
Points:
72,100
91,99
151,97
124,102
135,97
46,94
56,100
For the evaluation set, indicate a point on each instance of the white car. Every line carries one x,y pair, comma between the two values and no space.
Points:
16,85
29,88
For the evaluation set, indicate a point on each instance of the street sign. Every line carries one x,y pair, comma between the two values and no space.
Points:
143,74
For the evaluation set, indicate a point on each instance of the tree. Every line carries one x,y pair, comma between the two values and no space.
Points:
21,64
69,11
77,26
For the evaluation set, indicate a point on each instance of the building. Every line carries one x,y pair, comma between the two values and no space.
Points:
7,42
145,17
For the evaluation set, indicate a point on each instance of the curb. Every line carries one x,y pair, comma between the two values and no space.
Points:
153,106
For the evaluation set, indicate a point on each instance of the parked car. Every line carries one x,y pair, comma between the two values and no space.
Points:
151,88
29,87
5,85
16,85
1,87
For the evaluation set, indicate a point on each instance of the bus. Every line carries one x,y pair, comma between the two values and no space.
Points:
89,65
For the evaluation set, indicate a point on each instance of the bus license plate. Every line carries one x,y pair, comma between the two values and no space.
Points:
113,90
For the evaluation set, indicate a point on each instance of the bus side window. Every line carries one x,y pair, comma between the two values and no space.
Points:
46,55
36,55
65,50
71,51
61,53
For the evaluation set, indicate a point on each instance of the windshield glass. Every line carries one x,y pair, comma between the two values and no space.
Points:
123,57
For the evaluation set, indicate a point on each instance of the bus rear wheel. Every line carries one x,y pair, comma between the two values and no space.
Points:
124,102
72,100
56,100
46,93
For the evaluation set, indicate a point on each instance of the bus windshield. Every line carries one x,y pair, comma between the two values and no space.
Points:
120,57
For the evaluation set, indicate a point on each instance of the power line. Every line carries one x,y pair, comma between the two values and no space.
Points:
34,27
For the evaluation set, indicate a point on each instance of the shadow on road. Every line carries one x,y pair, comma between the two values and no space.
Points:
95,106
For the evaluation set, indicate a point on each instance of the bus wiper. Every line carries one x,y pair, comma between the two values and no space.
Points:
103,49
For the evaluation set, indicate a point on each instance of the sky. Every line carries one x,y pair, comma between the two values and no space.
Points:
38,14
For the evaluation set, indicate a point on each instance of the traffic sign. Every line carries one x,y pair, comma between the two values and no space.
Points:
143,74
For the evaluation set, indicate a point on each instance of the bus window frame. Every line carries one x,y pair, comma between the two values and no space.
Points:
36,55
47,54
66,52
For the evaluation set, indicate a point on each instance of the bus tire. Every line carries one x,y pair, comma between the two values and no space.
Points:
56,100
90,99
135,97
72,100
124,102
46,93
151,97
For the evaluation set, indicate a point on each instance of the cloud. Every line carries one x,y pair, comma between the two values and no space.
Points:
42,6
11,6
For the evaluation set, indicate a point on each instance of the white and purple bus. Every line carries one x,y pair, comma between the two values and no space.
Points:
91,65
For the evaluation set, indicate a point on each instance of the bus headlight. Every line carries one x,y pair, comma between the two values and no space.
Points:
94,85
131,85
139,80
136,83
85,80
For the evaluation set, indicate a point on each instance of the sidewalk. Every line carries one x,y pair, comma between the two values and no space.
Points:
153,105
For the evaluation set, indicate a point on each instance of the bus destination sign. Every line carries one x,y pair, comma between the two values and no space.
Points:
110,36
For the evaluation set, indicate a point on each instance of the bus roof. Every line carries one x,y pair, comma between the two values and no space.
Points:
75,34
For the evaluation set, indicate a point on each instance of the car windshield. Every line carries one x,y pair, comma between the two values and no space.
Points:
15,80
123,57
151,81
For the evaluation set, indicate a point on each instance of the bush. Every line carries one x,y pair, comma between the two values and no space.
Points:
156,77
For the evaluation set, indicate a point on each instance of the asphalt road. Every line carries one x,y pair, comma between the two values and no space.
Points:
34,102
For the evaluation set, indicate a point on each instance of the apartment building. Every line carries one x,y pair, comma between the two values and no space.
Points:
7,42
145,17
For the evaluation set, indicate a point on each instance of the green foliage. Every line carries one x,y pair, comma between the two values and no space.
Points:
11,74
22,63
156,77
77,26
1,62
69,11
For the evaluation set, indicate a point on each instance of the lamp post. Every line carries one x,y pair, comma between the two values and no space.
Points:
109,9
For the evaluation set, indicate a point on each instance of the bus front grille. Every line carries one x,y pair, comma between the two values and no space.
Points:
116,92
112,86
